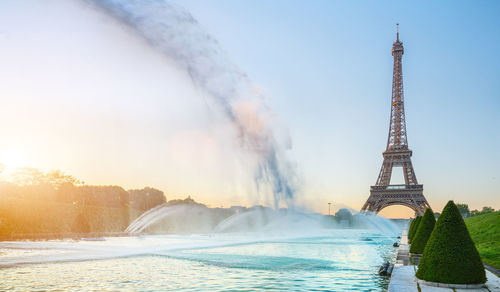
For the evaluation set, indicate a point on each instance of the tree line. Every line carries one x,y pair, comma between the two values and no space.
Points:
466,212
32,201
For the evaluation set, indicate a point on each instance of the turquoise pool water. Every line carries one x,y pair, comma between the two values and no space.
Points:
335,260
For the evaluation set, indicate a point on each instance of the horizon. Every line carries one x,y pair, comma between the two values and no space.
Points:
97,102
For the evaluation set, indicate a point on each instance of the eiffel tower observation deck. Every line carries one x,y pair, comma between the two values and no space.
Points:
397,153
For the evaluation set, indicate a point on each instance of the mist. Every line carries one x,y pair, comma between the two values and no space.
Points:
178,36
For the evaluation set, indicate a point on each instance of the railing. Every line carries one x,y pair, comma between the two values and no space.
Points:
397,187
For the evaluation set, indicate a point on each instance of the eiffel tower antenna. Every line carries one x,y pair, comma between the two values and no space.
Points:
397,32
397,153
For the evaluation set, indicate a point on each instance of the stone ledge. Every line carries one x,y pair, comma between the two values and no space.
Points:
415,257
452,286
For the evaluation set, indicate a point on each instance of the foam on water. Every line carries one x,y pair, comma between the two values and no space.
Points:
252,227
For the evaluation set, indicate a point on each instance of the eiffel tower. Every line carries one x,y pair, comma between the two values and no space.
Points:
410,194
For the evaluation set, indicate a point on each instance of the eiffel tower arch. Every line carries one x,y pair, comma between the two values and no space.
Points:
397,154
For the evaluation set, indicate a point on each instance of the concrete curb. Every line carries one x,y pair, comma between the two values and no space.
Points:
452,286
492,269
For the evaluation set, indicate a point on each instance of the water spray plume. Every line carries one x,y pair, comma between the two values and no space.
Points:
176,34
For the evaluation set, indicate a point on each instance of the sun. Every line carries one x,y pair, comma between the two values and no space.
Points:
12,158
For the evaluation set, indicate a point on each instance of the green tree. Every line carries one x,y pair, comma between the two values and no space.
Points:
475,213
31,176
146,198
5,227
487,210
412,222
414,229
410,230
343,214
423,232
27,176
464,210
450,255
81,224
59,178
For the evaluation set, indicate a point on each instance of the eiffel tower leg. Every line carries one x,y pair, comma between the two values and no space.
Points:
405,173
409,173
384,176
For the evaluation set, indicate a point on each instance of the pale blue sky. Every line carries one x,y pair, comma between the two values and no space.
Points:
79,92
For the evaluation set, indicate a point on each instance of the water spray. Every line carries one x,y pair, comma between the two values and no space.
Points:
174,32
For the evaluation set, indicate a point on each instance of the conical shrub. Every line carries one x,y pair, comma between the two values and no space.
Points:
423,232
412,222
450,255
415,227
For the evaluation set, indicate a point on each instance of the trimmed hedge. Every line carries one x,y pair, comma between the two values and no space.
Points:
412,222
414,229
423,232
450,255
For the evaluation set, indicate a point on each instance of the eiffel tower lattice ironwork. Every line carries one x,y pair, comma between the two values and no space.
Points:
410,194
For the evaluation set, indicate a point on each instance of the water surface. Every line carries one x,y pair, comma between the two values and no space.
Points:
336,260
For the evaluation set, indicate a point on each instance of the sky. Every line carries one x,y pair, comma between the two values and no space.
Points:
82,94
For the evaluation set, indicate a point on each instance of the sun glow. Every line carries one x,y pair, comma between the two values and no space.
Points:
12,159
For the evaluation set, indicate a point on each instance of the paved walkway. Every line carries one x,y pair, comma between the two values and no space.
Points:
403,276
403,256
403,280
